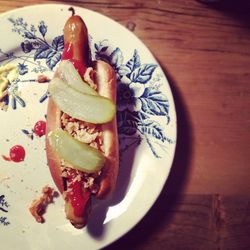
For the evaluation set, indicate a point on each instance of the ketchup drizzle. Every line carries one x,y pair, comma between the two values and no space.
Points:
68,55
40,128
78,196
17,154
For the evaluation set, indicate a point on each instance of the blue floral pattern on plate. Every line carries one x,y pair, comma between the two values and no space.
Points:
35,43
139,97
35,48
4,206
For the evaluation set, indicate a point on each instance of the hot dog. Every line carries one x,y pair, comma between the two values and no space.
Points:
78,187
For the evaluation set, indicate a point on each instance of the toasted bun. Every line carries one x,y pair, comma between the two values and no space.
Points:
77,49
54,162
106,79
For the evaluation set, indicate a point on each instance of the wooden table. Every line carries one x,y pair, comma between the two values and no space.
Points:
205,53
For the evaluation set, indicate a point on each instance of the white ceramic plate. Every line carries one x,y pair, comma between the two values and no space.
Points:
31,38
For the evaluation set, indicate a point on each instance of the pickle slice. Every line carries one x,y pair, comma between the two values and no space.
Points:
90,108
79,155
70,75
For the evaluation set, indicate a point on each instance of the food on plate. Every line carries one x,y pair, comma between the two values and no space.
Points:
8,73
40,128
38,206
42,79
79,155
16,154
81,130
85,107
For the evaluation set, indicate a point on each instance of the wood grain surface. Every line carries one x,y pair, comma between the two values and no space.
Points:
191,222
204,51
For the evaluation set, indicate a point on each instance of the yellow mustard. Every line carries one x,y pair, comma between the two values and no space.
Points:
8,73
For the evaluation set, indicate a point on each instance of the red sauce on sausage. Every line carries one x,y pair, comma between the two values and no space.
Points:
78,196
68,55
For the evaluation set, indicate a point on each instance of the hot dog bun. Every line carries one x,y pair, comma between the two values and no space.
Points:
105,79
54,162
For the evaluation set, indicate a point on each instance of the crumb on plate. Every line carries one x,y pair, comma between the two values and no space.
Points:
38,206
42,79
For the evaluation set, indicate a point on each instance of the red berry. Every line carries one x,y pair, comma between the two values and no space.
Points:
17,153
40,128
